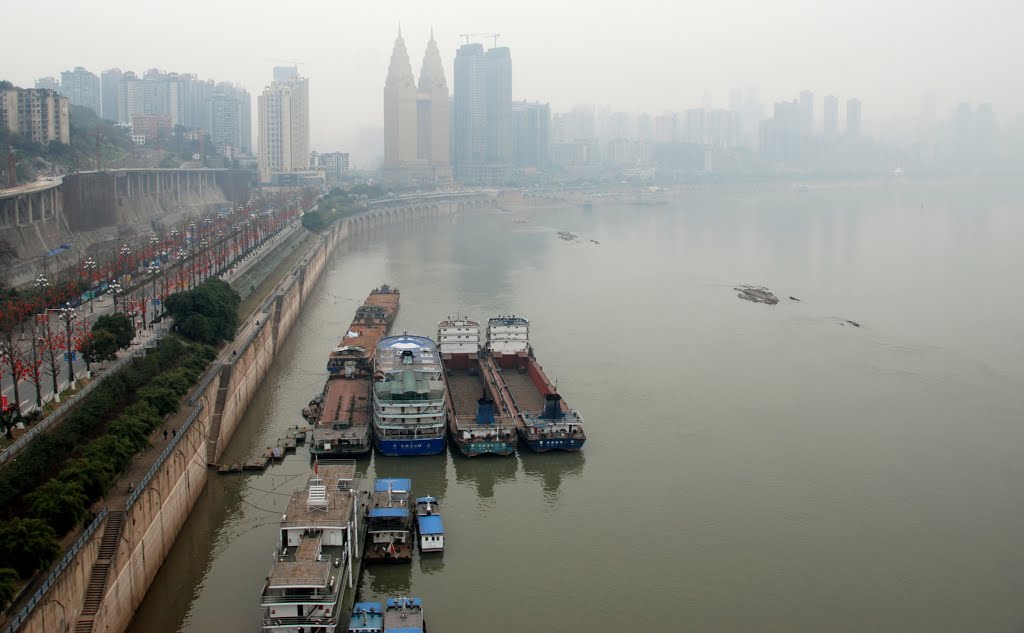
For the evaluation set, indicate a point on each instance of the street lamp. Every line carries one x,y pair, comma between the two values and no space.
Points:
153,270
115,289
125,252
68,315
90,265
42,283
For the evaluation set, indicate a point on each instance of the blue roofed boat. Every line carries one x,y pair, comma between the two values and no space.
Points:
404,615
367,617
389,526
429,524
409,413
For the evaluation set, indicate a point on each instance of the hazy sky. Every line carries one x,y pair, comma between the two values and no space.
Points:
640,55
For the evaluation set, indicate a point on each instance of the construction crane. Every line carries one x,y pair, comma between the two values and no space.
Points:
494,36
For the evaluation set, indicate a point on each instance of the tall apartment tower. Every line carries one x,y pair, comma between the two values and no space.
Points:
432,109
416,119
400,137
853,118
81,87
806,112
109,82
283,125
831,116
483,119
470,110
499,106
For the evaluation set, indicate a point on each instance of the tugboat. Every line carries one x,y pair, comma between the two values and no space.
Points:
404,615
367,617
341,414
543,420
428,522
473,424
389,522
408,397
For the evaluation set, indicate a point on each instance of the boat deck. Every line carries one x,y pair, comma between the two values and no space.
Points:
465,390
527,396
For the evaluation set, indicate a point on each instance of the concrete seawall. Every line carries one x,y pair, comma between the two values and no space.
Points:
217,405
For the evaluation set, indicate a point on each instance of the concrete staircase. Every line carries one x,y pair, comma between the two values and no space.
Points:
213,439
100,572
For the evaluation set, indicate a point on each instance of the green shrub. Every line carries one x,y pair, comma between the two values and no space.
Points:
61,504
95,477
117,324
8,586
27,545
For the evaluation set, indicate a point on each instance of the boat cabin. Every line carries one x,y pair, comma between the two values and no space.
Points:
429,524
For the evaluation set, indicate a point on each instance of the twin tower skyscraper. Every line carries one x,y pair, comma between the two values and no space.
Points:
416,119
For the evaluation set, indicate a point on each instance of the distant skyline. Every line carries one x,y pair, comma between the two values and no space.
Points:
641,56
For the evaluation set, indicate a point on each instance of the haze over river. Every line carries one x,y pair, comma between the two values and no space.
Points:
748,468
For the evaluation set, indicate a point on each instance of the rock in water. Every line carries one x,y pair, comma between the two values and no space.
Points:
757,294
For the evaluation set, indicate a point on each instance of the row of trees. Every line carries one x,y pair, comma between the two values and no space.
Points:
47,491
206,314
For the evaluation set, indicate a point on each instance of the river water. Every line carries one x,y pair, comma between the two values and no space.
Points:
748,468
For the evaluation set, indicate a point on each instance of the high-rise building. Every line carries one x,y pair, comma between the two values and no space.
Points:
806,113
335,165
963,133
81,87
283,125
984,132
499,106
229,118
109,81
643,127
531,134
40,115
399,109
831,116
416,119
470,111
853,118
432,109
780,136
48,83
482,118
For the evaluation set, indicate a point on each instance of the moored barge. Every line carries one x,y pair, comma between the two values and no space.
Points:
474,424
543,420
408,397
404,615
312,572
341,414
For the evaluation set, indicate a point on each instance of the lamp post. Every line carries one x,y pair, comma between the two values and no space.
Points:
90,266
182,277
42,283
68,315
115,289
125,253
154,270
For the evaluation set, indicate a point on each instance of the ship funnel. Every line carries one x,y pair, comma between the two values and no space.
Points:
553,407
484,410
407,357
350,368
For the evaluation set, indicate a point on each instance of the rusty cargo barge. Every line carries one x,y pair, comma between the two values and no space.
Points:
341,413
478,423
543,420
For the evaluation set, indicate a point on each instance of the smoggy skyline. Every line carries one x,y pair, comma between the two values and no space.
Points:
637,57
